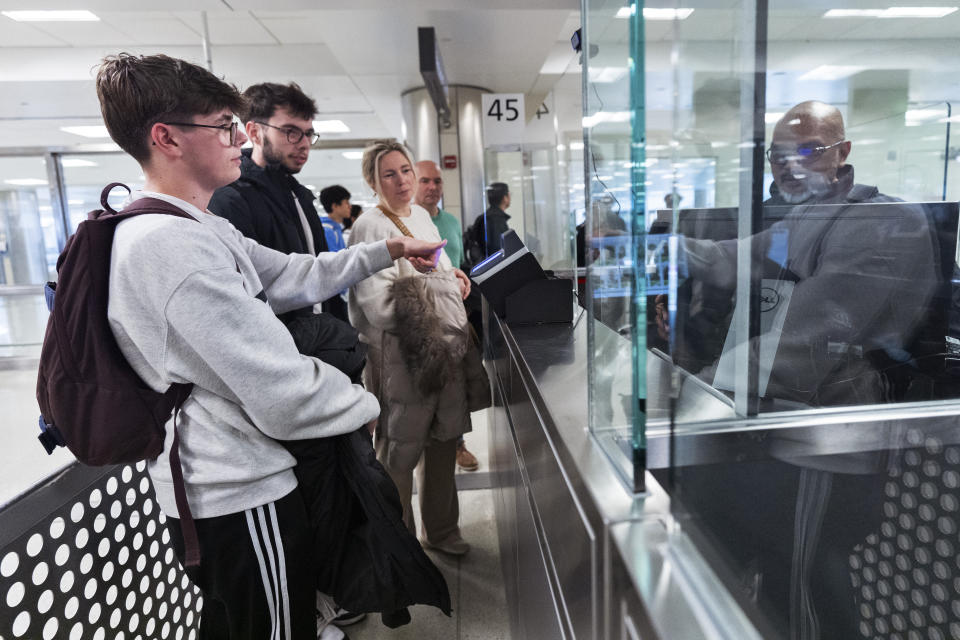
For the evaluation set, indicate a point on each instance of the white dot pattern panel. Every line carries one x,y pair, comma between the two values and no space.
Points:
100,567
907,575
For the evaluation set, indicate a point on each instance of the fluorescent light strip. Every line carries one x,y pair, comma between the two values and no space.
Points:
892,12
88,131
924,114
853,13
655,14
353,155
26,182
604,117
666,14
330,126
607,74
917,12
831,72
51,16
77,162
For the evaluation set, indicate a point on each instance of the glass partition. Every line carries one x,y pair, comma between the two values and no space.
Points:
613,231
771,241
538,174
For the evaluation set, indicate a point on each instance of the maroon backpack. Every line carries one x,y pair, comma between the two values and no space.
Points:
91,400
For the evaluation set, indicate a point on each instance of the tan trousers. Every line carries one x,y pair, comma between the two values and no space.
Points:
435,465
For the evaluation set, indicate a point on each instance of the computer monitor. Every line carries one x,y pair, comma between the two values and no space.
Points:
924,357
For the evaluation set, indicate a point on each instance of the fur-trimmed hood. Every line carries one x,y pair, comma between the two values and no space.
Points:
433,336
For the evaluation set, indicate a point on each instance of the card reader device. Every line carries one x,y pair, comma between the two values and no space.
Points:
517,288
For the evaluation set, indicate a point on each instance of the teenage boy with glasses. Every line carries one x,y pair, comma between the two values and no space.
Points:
192,301
267,203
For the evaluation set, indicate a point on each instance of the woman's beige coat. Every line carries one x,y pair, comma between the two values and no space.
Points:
415,365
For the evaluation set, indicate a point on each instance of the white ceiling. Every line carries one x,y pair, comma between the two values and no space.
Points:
354,57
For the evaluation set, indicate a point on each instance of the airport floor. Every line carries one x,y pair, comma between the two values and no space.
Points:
475,580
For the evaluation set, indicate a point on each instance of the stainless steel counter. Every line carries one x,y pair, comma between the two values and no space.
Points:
582,556
586,558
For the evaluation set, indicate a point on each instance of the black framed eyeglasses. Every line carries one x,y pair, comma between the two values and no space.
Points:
233,127
806,153
294,134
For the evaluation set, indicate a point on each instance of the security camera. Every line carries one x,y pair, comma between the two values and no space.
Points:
576,41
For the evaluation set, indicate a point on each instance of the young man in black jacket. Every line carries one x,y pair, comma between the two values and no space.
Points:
267,203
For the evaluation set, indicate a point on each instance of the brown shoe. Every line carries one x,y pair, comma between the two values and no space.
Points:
466,460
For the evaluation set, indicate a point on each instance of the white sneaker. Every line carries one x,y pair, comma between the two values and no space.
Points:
331,632
346,618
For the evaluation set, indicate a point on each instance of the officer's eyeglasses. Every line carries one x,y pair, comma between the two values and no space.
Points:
294,134
233,127
806,153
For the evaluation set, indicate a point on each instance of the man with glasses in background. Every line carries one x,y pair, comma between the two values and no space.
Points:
853,272
267,203
808,159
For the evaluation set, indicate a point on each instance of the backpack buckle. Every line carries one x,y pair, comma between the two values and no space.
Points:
50,437
49,294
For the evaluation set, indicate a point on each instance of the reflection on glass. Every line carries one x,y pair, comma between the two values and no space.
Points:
800,266
28,246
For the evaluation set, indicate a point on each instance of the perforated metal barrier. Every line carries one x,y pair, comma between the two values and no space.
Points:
88,555
908,573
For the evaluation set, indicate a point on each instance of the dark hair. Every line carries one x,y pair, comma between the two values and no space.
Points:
355,211
496,192
333,195
264,98
136,92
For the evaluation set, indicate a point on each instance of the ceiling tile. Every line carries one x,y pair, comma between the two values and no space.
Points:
294,29
19,34
164,28
83,34
229,27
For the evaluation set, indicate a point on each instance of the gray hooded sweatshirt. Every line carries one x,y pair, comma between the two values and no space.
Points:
183,307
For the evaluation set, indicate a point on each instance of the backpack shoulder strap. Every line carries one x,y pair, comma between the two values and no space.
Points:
153,205
135,208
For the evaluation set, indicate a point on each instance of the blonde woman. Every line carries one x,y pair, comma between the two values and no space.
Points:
418,336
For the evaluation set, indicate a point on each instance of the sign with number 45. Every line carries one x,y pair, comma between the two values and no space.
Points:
503,119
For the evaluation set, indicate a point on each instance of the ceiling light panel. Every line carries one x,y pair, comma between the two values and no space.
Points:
655,14
917,12
88,131
853,13
51,16
666,14
891,12
831,72
330,126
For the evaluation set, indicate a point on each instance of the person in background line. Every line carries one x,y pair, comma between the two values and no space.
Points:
417,333
490,226
355,211
429,194
192,301
336,203
267,203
